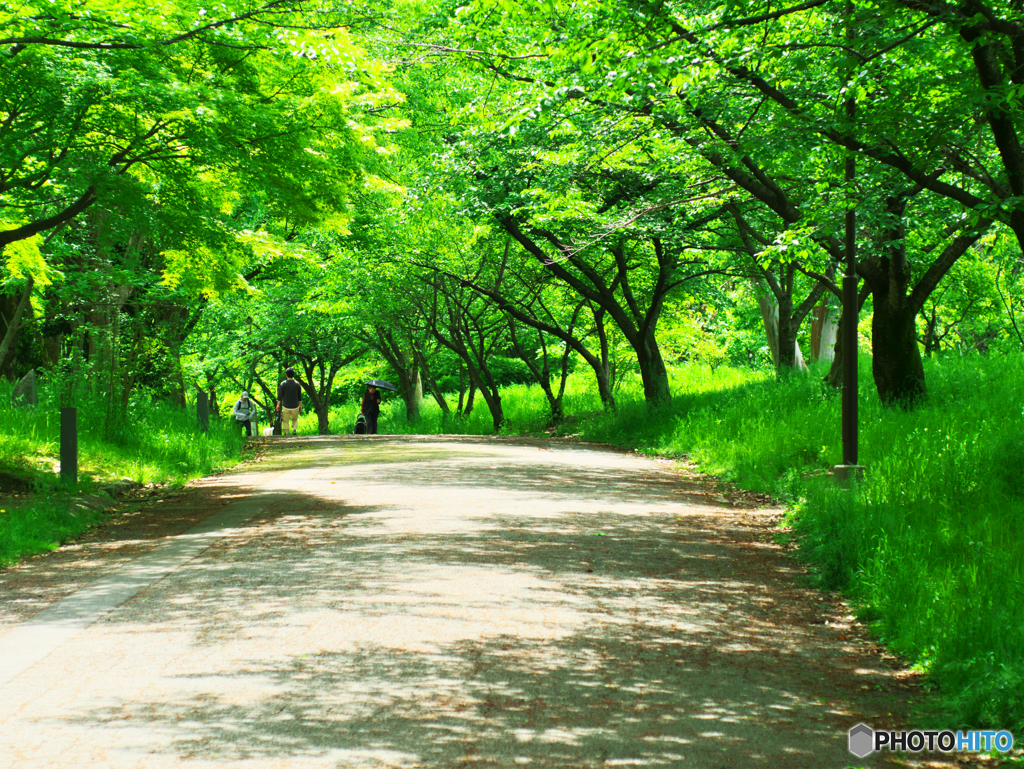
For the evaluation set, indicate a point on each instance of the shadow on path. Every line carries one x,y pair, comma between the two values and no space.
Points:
470,604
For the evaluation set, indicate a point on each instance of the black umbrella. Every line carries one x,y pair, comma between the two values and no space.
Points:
382,384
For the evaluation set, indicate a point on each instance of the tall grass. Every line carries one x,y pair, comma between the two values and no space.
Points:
931,543
155,443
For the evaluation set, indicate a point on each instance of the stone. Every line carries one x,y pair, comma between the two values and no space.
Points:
11,482
25,392
848,475
120,488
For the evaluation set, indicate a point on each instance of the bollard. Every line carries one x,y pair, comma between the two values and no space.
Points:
203,410
69,446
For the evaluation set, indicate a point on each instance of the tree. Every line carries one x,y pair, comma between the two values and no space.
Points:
148,139
527,295
467,325
699,63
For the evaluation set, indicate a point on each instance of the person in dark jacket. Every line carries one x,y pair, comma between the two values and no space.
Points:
371,409
289,402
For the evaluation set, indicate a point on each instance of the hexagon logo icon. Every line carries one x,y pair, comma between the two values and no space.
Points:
862,740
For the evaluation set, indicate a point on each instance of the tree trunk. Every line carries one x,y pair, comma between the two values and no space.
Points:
493,400
542,373
636,324
770,319
790,356
787,360
604,371
488,389
780,331
15,323
824,332
896,359
401,355
131,368
322,408
1001,120
319,397
895,356
470,397
412,392
323,426
115,418
431,384
605,386
834,378
481,379
931,339
657,392
600,364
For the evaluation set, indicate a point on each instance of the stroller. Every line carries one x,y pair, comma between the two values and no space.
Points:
360,425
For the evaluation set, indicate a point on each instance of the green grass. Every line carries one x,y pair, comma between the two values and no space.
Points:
929,546
525,408
155,443
41,524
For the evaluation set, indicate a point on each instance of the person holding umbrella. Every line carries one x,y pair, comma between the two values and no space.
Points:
371,408
371,403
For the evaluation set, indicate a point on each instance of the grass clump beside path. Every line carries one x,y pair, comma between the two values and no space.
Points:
155,443
929,546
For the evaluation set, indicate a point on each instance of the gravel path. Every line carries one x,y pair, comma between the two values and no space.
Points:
434,602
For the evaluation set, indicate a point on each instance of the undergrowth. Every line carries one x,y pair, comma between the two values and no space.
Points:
152,442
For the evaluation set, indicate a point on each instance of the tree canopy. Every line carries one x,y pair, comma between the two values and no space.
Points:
198,196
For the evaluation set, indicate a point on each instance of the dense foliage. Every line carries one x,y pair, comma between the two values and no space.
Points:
197,197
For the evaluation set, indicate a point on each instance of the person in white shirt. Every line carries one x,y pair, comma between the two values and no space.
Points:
244,411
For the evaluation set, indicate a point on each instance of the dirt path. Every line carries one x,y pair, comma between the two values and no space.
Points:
422,602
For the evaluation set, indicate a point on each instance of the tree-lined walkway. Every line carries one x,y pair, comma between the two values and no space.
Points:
432,602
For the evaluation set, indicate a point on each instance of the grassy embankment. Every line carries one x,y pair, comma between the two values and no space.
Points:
157,443
929,547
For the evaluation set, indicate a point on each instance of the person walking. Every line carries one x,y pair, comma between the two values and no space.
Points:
289,402
371,409
243,413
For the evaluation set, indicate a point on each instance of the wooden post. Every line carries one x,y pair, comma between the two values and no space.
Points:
69,446
203,410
